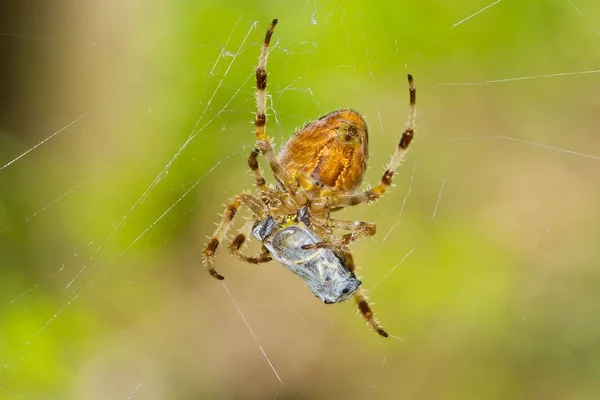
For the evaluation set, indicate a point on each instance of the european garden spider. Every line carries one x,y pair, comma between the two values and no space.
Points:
317,172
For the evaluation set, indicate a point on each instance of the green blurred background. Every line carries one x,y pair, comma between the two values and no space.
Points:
102,291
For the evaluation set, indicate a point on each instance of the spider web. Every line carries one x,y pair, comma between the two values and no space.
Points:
125,129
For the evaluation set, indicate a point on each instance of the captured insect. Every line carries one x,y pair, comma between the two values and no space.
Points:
291,244
317,172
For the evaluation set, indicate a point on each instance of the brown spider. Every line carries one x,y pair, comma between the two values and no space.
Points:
318,172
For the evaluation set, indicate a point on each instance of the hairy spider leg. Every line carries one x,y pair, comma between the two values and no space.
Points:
357,229
376,192
238,242
360,298
261,184
254,204
262,140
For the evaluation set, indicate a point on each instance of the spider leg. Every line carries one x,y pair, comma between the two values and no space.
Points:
238,242
310,188
376,192
253,164
262,140
255,205
357,229
359,297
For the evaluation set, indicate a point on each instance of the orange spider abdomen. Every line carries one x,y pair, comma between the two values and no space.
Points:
331,151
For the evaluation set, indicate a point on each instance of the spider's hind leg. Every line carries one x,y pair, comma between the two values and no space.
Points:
261,184
263,142
386,179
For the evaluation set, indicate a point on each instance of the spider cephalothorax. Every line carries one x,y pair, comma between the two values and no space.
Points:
317,172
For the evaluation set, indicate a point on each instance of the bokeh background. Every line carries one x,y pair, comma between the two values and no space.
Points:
485,267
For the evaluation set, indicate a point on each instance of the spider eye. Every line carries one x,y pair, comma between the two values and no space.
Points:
345,290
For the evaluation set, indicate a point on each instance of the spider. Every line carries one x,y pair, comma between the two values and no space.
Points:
317,172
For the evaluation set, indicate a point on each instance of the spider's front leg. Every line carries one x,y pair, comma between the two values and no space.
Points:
255,205
238,242
357,229
360,298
